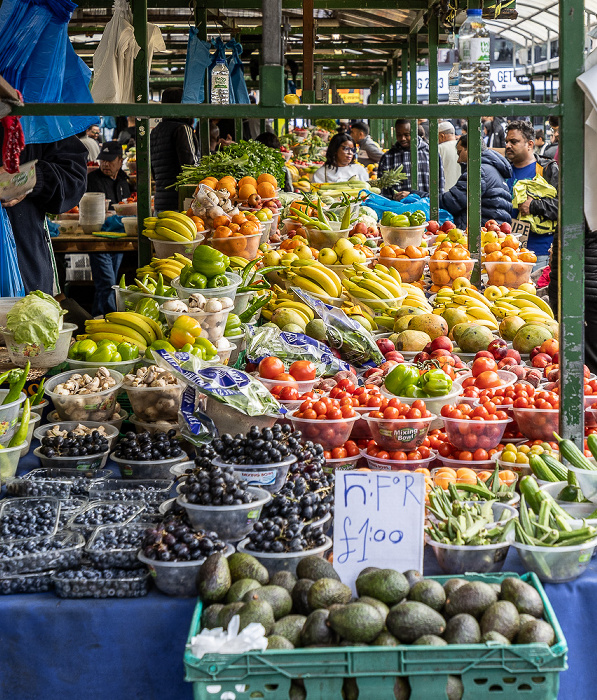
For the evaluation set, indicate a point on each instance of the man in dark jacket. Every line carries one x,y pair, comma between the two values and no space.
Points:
495,133
496,202
173,144
61,172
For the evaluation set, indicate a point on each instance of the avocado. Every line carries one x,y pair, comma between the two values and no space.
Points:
386,585
430,640
327,591
385,639
315,568
246,566
369,569
454,688
473,598
536,631
526,598
297,691
495,637
286,579
429,592
524,618
501,617
462,629
357,622
412,576
497,588
300,594
290,627
274,641
401,688
410,620
452,584
240,588
228,612
209,616
381,608
316,630
278,597
257,611
213,579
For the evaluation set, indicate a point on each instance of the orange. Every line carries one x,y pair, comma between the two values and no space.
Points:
266,189
222,232
251,217
491,247
239,219
484,475
527,257
422,470
249,228
496,256
266,177
507,476
246,191
236,244
235,228
511,241
441,277
209,182
222,220
443,480
199,223
387,252
458,253
247,180
414,252
458,269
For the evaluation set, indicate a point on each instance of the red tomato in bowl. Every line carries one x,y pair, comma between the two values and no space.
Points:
303,370
487,379
270,367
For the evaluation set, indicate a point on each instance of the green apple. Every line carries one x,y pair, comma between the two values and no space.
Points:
327,256
272,258
303,252
341,245
261,215
352,256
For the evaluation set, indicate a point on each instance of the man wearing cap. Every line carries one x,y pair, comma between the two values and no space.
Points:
449,155
112,181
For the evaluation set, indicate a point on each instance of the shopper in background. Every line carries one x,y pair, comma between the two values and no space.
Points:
552,147
399,155
90,139
369,151
339,163
540,144
495,133
112,181
496,201
447,149
128,135
267,138
173,144
520,151
424,124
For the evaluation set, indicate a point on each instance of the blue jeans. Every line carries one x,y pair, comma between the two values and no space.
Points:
542,261
104,270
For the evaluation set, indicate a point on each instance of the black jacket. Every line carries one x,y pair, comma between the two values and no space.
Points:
61,172
547,208
115,190
173,144
496,202
496,138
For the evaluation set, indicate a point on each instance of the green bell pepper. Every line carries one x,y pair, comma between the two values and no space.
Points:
416,218
232,325
149,308
196,281
159,345
105,353
209,261
414,392
185,273
128,351
208,347
435,382
217,281
401,377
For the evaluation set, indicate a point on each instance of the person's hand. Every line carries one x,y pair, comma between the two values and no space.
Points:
12,202
225,142
400,195
525,207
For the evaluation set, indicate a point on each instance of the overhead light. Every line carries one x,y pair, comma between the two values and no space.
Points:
335,37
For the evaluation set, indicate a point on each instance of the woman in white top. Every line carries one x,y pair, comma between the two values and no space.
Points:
338,166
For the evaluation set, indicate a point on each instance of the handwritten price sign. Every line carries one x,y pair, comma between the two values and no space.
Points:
378,521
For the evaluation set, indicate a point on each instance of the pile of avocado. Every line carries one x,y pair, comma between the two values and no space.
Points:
315,609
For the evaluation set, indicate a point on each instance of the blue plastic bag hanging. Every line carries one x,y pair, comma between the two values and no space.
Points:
195,66
11,284
238,86
413,202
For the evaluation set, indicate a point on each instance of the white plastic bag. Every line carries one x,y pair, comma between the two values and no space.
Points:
216,641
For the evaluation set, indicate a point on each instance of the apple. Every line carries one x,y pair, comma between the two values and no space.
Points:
372,372
360,227
440,353
254,201
490,222
422,357
442,342
515,354
394,356
498,348
542,359
388,365
493,227
385,345
555,358
327,256
534,352
427,348
507,362
447,226
432,226
506,228
518,370
483,353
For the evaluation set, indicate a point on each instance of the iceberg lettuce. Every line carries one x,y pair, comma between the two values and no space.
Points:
35,320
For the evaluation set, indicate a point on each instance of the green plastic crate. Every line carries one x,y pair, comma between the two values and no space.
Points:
529,671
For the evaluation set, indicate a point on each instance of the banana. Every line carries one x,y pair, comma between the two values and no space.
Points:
377,290
168,234
182,218
537,301
534,315
324,277
464,300
175,227
169,273
149,220
412,290
104,326
308,285
468,291
133,320
394,289
522,304
179,257
482,314
116,338
297,306
503,304
385,277
149,225
395,274
150,233
487,324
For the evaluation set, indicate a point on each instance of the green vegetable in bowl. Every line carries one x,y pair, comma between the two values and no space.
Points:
36,320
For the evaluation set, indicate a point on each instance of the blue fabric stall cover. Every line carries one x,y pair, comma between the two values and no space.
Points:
195,66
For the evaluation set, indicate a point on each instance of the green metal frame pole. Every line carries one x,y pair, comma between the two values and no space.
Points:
571,229
374,123
433,129
414,125
141,88
386,101
201,24
404,72
308,49
475,136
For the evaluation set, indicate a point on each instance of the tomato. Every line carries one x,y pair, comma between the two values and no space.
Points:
374,401
334,414
445,449
284,377
487,379
382,455
483,364
398,456
419,405
320,408
348,412
309,413
346,385
339,453
480,411
480,455
413,414
391,413
376,414
289,393
395,403
303,370
351,448
270,367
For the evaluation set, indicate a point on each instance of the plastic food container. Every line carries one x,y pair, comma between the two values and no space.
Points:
176,578
519,469
95,461
33,421
326,239
39,408
151,491
63,550
130,225
225,355
475,465
6,304
164,249
393,435
433,405
180,470
507,378
243,246
508,274
129,512
408,465
80,480
377,306
232,523
37,355
444,272
229,291
341,464
332,301
110,430
150,469
123,556
95,407
329,433
83,367
556,564
270,477
34,488
339,269
461,559
402,236
70,507
53,418
153,403
9,461
26,583
410,270
67,226
241,303
21,506
9,414
133,584
537,424
151,428
475,434
286,561
576,510
213,324
126,209
127,299
301,387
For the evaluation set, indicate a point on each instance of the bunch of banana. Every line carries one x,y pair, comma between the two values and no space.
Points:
284,303
169,267
125,326
314,278
416,297
478,309
379,288
363,317
517,302
170,226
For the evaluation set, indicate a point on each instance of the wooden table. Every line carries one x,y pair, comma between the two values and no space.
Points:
86,243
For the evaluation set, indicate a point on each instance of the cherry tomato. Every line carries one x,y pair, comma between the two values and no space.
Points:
351,448
487,379
391,413
339,453
289,393
334,414
483,364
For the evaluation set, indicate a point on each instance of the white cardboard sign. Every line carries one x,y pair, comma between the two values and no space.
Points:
522,227
378,521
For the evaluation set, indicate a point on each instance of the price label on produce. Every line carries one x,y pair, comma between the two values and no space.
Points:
522,227
378,521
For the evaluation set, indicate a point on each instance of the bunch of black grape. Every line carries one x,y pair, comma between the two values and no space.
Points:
144,447
175,541
216,486
278,535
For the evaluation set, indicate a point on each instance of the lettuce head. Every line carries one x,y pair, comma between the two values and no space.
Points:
35,320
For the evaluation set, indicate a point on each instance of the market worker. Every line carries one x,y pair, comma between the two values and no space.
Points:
369,151
446,136
112,181
90,139
339,165
526,165
173,144
61,172
496,202
399,155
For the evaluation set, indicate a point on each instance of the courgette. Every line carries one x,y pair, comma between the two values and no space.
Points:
555,467
571,493
569,451
541,470
592,444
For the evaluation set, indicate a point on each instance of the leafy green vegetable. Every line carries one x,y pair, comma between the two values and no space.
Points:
327,124
242,159
35,320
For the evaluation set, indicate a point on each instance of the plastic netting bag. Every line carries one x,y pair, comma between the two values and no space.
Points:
11,284
195,66
412,203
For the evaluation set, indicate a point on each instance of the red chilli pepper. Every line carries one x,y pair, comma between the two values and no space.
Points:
14,142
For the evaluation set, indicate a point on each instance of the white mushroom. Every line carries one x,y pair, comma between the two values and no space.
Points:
175,305
212,306
226,302
197,301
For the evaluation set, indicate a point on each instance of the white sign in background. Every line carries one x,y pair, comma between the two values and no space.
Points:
378,521
502,80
